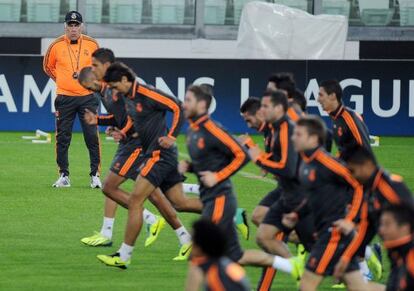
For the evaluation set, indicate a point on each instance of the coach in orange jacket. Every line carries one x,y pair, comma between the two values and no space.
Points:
64,59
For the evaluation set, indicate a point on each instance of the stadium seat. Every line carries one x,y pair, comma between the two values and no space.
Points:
168,11
336,7
406,12
93,10
125,11
43,10
215,11
238,8
10,10
299,4
375,12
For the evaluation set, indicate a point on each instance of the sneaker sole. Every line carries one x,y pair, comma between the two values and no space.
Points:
100,245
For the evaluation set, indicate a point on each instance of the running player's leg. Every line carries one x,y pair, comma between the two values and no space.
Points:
168,212
310,281
354,281
112,191
270,227
143,189
181,201
261,210
271,238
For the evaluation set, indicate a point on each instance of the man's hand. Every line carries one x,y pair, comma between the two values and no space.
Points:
117,134
340,269
290,219
166,142
243,138
109,130
208,179
254,153
183,167
344,226
90,117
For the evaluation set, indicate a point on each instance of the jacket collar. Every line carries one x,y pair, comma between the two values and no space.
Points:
197,120
337,112
309,155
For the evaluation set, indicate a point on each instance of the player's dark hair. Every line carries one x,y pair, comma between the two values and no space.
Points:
299,98
357,155
277,97
116,71
210,238
202,92
314,126
251,106
403,213
284,81
332,86
104,55
85,74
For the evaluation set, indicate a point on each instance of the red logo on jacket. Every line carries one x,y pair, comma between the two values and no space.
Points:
200,143
312,175
139,107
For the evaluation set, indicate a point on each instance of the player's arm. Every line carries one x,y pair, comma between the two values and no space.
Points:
343,176
164,102
230,147
286,165
357,128
359,237
49,62
128,128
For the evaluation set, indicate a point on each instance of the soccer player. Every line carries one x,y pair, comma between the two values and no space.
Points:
64,59
349,130
147,107
348,127
126,162
250,111
213,268
381,189
396,229
281,160
215,157
335,198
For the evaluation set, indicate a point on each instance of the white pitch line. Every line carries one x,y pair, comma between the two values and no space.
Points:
243,173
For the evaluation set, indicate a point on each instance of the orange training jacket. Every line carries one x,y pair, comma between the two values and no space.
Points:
57,63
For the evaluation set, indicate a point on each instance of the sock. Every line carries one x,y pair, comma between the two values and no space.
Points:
107,227
191,188
368,253
282,264
149,217
183,235
125,252
363,266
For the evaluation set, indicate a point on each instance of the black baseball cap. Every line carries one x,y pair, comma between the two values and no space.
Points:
73,16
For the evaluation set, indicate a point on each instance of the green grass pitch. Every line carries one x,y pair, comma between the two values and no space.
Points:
41,227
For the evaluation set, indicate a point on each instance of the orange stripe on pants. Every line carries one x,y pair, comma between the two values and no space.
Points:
329,252
270,272
218,209
129,162
150,163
